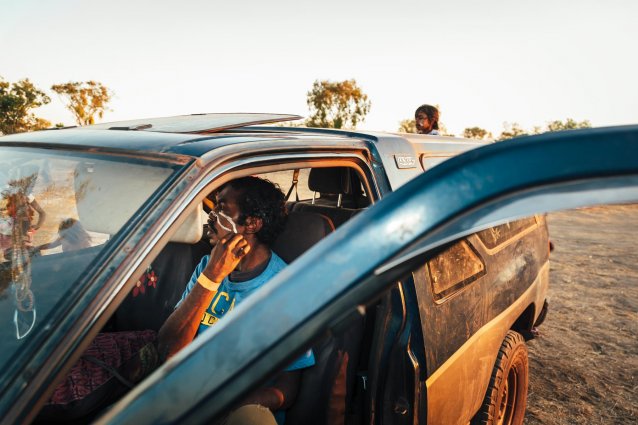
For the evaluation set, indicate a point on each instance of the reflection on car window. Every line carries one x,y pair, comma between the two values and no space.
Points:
81,201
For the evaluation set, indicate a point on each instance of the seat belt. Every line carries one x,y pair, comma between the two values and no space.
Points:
208,203
295,181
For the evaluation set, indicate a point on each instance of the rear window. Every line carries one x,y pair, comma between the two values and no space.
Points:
454,268
428,162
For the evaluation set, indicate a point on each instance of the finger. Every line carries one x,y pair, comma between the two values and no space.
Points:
241,251
242,243
232,243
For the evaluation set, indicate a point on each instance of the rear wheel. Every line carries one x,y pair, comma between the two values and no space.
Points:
506,396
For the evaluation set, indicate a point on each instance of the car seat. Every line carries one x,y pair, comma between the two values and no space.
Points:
340,192
303,229
326,389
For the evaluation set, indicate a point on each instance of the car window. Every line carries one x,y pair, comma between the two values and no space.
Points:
428,162
457,266
58,210
285,180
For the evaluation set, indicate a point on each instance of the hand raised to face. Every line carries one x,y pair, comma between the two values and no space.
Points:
225,256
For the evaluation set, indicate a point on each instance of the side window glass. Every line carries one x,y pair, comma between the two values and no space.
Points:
495,236
428,162
454,268
284,180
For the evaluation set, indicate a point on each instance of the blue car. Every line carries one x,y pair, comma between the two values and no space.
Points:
419,265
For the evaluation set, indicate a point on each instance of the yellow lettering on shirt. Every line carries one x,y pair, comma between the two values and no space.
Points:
208,319
217,298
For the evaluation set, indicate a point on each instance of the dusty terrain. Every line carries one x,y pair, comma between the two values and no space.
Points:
584,365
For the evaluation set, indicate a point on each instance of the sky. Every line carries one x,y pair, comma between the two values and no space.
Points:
483,62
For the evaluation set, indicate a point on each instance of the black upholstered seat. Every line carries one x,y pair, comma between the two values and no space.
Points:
302,231
326,388
341,195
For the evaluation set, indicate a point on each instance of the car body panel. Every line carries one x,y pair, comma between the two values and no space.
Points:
448,405
453,319
465,194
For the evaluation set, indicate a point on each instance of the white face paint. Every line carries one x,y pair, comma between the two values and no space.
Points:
227,223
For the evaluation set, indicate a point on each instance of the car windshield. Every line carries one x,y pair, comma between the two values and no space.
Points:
58,211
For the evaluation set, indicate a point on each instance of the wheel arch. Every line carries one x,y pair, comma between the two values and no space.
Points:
525,322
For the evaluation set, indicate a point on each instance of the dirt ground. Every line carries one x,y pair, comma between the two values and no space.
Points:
584,365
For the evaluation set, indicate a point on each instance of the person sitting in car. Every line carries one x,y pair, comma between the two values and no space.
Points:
249,214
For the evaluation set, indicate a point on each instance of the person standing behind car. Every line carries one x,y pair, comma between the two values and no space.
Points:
249,214
427,120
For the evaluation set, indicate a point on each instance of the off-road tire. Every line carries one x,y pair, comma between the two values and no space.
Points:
506,397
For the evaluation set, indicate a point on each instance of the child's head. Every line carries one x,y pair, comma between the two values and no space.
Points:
72,235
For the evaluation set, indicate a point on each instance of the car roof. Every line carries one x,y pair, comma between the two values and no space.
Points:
196,123
195,135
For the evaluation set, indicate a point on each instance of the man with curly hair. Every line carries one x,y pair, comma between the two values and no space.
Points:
249,214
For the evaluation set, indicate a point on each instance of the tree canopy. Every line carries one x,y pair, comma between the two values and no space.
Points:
568,124
340,104
85,100
511,130
407,126
16,102
477,133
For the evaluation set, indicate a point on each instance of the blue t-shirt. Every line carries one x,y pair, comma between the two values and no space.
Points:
231,293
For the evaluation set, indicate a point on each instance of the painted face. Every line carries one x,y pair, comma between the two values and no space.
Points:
423,123
222,221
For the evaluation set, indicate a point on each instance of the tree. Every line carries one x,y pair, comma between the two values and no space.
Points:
340,104
511,130
477,133
569,124
16,102
85,99
407,126
515,130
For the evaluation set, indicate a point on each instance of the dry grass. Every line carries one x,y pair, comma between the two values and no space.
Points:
584,366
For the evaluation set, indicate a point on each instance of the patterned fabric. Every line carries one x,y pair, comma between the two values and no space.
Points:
149,278
131,353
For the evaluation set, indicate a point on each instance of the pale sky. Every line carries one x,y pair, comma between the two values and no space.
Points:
484,62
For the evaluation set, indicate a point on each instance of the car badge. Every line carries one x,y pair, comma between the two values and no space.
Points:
405,161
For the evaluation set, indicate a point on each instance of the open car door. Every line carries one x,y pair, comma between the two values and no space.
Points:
466,194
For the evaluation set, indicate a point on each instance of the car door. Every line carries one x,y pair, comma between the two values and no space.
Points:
330,283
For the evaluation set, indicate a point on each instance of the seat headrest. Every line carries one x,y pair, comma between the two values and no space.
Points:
302,231
332,180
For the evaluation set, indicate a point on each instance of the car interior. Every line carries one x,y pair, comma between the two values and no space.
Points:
324,199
